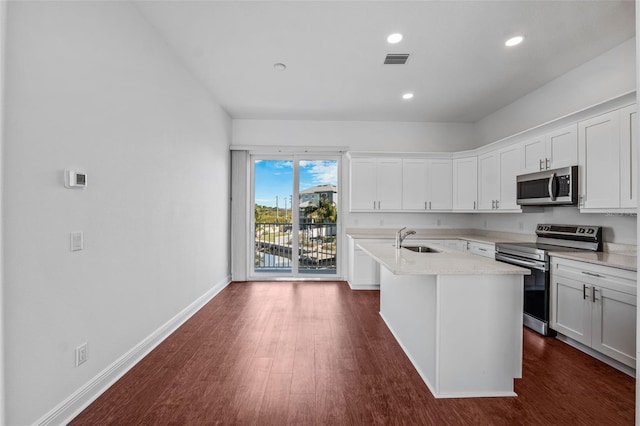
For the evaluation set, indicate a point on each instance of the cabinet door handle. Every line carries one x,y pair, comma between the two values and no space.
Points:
374,205
541,165
493,204
378,205
593,274
429,205
425,205
497,204
546,164
474,205
593,294
584,291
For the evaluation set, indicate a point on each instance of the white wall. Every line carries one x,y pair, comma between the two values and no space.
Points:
604,77
3,11
357,135
91,85
638,235
620,229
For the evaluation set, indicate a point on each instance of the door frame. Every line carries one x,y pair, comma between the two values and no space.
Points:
295,274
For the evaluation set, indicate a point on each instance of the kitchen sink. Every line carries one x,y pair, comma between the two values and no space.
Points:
421,249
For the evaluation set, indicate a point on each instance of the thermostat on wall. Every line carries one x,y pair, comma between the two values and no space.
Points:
75,179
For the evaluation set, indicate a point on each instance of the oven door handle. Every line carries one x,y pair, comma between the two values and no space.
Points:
520,262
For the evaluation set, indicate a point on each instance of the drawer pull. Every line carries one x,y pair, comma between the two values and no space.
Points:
584,291
593,274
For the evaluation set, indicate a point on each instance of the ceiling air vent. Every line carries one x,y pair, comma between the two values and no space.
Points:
396,58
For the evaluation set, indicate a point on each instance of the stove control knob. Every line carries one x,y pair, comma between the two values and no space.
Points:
540,227
581,230
590,231
547,228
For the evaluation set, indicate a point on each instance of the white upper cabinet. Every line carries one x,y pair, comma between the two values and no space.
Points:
364,190
607,146
562,147
497,172
465,183
488,181
426,184
604,147
414,184
440,184
375,184
534,154
628,157
509,159
553,150
389,184
599,159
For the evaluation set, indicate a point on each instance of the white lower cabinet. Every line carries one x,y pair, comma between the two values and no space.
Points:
459,245
364,272
596,306
482,249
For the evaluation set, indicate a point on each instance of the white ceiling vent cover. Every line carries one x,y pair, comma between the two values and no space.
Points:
396,58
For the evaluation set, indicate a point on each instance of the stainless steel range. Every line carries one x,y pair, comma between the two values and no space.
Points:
535,256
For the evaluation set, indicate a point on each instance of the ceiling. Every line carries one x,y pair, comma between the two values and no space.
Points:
459,68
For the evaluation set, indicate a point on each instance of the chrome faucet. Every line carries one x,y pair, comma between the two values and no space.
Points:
400,236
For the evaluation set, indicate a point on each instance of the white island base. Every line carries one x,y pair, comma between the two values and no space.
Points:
463,333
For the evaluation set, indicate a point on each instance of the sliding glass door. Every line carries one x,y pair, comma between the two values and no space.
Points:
295,216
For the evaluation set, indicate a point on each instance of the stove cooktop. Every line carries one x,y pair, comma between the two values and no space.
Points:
538,251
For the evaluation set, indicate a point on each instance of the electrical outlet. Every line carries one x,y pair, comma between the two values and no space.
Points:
81,354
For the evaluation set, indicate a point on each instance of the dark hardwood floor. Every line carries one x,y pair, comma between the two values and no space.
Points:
276,353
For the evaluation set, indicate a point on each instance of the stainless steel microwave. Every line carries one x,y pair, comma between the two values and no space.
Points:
550,187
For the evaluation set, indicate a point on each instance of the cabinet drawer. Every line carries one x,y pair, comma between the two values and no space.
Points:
604,276
482,249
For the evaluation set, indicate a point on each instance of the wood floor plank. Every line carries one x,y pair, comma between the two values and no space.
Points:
274,409
315,353
301,409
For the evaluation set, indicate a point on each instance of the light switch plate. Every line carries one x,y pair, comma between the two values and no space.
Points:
77,241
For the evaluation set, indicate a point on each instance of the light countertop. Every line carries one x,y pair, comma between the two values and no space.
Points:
614,260
446,262
615,256
440,234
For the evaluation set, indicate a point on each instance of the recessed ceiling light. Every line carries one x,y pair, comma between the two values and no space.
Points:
280,66
394,38
514,41
407,96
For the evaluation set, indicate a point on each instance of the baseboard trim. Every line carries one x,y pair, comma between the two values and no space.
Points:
68,409
597,355
364,286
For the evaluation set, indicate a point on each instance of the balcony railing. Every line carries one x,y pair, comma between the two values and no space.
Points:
316,247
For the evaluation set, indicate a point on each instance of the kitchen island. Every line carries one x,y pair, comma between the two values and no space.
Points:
457,316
